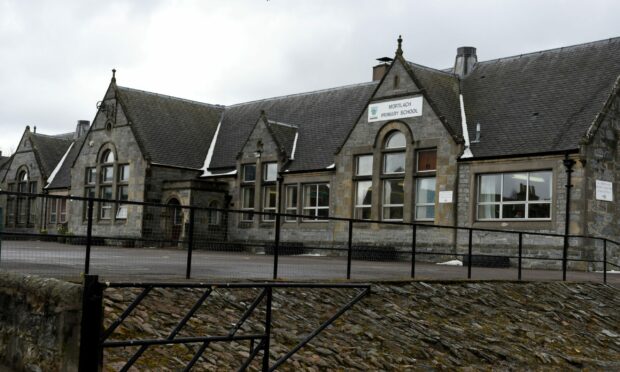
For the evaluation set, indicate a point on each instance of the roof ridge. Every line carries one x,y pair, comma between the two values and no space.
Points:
282,124
434,69
62,136
305,93
562,48
173,97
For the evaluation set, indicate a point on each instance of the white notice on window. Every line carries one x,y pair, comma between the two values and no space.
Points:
445,196
604,190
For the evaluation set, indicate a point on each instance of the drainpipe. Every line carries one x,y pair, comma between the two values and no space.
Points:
568,164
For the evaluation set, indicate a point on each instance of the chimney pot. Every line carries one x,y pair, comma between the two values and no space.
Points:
381,69
466,59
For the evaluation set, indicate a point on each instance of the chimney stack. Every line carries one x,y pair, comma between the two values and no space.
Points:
381,69
81,129
466,59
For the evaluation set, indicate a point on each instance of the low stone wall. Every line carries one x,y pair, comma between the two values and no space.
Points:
39,323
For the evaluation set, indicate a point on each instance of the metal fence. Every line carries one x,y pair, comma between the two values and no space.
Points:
65,236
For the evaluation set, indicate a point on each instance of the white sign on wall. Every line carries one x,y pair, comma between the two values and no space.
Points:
445,196
399,109
604,190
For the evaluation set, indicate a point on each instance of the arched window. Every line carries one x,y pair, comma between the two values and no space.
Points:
112,184
393,200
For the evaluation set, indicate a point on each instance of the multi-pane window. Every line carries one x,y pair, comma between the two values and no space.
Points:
10,206
425,199
91,176
249,172
122,194
316,201
214,214
270,172
53,211
122,190
393,199
109,181
394,156
426,165
247,203
32,212
105,209
58,211
521,195
269,202
363,165
363,199
363,187
22,201
291,202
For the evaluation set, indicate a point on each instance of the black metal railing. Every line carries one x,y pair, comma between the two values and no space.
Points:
200,229
96,338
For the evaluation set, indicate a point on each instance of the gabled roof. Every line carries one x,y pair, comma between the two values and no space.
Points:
172,131
323,118
539,102
442,90
284,135
50,149
62,179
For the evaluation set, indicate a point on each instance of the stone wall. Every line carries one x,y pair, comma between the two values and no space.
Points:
39,323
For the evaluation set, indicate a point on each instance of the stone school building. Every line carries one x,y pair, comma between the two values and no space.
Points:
487,144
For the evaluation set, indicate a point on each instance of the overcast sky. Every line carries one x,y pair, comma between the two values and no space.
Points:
57,55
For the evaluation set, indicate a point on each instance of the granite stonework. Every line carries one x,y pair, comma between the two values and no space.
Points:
399,327
39,323
111,130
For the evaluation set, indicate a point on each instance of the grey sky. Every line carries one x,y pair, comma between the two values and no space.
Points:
57,56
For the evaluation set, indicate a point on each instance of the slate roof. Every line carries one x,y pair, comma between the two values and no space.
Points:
442,89
50,149
62,179
539,102
284,136
323,119
172,131
4,163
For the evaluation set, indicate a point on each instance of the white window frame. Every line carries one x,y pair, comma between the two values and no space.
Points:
427,204
361,207
313,210
267,208
247,211
525,202
384,205
291,209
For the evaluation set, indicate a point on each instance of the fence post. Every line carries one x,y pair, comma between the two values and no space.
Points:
89,234
276,247
469,253
91,352
520,252
604,260
414,238
190,243
267,340
1,230
564,257
350,251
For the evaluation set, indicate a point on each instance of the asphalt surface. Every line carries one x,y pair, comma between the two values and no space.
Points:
147,264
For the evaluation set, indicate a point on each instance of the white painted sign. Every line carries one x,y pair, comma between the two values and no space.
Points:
399,109
445,196
604,190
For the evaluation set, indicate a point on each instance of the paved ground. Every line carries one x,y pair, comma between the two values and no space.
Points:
134,264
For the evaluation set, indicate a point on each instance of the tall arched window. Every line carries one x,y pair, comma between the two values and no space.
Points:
214,215
393,175
112,184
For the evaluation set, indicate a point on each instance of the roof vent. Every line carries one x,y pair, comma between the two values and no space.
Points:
466,59
381,69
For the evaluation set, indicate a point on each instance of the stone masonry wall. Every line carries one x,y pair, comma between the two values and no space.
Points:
39,323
